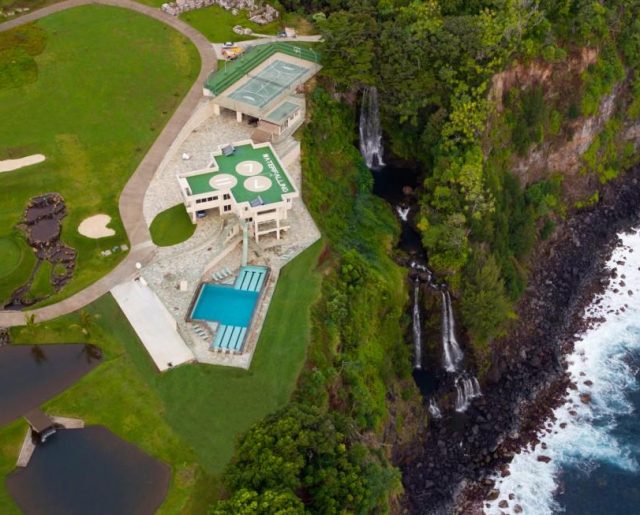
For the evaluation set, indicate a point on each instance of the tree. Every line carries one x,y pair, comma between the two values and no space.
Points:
250,502
348,49
484,304
299,451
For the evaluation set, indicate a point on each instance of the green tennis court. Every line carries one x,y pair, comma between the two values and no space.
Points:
269,83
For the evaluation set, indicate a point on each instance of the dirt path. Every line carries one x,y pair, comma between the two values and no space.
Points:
131,198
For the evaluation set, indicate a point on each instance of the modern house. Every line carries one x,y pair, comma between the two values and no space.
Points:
244,179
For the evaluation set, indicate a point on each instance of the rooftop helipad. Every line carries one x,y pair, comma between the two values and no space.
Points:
250,172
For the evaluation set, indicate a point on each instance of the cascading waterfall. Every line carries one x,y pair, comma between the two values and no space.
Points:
403,212
451,350
370,130
467,388
417,328
434,411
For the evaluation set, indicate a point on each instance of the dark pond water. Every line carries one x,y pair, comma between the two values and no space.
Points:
31,375
89,471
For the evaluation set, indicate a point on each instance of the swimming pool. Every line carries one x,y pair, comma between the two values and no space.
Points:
225,304
232,306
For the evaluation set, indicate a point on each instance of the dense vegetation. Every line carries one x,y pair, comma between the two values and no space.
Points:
317,453
432,62
479,223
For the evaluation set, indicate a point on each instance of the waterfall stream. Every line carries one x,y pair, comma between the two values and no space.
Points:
434,411
371,146
417,328
467,388
403,212
451,350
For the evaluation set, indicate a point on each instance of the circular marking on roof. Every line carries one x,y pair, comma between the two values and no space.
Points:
249,168
258,183
223,181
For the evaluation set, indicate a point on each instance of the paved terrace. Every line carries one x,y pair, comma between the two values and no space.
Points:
131,198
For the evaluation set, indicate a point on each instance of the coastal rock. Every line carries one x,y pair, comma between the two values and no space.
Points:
493,495
520,398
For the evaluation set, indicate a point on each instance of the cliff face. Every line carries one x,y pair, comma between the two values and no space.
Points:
564,152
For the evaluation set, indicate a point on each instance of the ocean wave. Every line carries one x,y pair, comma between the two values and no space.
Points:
582,434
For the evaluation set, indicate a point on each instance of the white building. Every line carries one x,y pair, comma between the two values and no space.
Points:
246,180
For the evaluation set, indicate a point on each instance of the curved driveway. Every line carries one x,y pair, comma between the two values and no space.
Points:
130,204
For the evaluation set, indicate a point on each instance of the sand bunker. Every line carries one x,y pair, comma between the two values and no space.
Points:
8,165
96,227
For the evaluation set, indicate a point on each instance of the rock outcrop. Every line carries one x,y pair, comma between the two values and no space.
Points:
258,13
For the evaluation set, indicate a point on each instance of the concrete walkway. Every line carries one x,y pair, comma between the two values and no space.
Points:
131,198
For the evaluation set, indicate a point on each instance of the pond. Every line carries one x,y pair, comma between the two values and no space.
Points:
32,374
91,470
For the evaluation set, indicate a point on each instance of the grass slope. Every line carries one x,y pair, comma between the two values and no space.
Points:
17,261
216,23
190,416
108,81
171,227
210,406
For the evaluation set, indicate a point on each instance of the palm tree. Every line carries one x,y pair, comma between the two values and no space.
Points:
86,322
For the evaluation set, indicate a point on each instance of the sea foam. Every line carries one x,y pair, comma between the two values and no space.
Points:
581,436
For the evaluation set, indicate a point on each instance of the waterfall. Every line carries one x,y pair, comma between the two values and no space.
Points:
417,329
451,350
370,130
434,411
403,212
466,389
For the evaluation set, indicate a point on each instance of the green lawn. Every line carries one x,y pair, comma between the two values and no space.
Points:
172,226
17,261
217,23
108,80
190,416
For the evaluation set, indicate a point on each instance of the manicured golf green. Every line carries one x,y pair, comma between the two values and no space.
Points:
108,81
171,227
191,416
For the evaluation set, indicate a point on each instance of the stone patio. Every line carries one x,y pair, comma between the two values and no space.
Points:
163,191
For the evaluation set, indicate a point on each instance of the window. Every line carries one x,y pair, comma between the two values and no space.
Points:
226,196
207,199
227,208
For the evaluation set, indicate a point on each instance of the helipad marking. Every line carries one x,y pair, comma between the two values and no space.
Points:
223,181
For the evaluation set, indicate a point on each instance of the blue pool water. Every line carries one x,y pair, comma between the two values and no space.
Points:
225,304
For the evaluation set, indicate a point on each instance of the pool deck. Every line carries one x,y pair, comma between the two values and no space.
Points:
153,324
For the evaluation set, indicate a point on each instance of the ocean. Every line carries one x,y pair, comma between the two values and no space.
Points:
588,461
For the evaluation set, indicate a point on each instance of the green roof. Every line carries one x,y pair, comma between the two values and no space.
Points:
271,170
232,72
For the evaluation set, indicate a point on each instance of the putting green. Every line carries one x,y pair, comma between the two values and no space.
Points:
108,80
